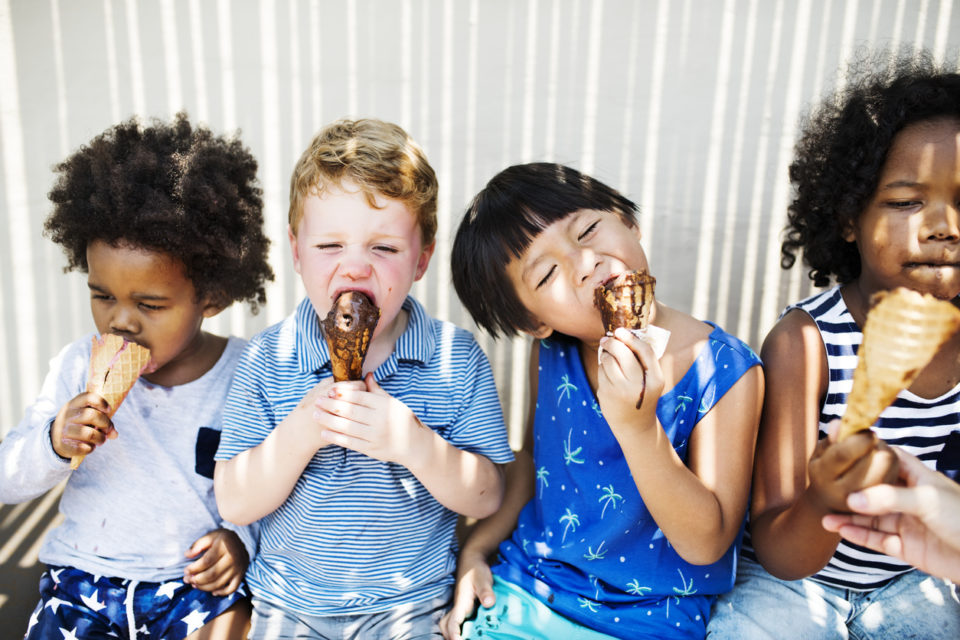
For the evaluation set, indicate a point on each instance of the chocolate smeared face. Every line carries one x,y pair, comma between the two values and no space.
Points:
348,328
625,301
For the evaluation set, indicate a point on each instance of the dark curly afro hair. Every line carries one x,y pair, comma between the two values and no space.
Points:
842,149
173,188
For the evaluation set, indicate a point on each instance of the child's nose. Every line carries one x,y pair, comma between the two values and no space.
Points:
124,322
588,265
945,223
355,264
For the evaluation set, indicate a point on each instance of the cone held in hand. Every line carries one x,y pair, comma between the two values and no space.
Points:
903,331
347,329
115,365
626,301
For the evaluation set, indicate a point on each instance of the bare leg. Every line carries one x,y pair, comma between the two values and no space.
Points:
232,624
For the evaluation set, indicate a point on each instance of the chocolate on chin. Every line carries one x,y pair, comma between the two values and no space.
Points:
626,300
348,328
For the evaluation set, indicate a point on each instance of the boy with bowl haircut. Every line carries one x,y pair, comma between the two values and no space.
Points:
357,484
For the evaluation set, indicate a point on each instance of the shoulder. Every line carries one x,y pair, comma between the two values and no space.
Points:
794,349
793,334
276,339
73,360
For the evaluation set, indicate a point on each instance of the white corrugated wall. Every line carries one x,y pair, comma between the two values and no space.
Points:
687,106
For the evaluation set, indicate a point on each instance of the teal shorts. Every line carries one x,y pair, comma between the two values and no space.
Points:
517,615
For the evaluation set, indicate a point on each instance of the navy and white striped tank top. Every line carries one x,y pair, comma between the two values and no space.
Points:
927,428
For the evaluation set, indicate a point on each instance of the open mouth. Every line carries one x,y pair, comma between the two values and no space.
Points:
369,294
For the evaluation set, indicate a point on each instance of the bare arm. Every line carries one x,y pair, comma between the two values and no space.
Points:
785,517
714,484
798,479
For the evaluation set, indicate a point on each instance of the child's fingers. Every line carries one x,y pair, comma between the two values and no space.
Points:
843,456
232,585
463,605
204,563
874,468
200,544
209,576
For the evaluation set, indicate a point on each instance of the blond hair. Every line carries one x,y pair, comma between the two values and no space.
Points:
379,157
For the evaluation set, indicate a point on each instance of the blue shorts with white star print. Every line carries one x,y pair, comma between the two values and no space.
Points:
75,605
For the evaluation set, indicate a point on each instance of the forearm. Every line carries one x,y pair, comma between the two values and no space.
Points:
791,543
466,483
255,482
29,467
696,526
488,533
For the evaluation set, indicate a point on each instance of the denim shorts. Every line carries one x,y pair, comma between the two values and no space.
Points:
763,607
415,621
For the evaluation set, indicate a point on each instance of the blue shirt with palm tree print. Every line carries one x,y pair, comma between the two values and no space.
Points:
586,545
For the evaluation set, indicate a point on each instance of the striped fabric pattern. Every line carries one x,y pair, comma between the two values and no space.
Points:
357,535
920,426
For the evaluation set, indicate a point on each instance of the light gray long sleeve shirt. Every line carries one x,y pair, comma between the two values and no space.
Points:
137,503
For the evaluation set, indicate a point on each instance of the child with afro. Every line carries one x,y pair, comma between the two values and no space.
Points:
876,207
166,221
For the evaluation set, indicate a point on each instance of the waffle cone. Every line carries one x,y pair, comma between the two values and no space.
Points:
626,301
903,331
348,329
115,365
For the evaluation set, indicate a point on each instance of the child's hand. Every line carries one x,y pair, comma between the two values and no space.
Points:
628,368
81,426
221,567
372,422
474,582
305,412
838,469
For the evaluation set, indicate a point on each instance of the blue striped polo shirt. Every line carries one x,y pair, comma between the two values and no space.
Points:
357,535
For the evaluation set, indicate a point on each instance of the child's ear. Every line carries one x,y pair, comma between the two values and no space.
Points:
293,248
540,332
424,260
211,308
850,232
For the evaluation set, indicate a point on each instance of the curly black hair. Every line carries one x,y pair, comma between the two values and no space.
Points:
843,146
168,187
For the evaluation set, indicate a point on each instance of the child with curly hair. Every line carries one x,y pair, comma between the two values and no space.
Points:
166,221
624,510
877,206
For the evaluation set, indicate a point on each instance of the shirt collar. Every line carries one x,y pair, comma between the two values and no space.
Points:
415,344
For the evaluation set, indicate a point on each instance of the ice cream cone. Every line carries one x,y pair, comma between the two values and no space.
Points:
903,331
348,328
115,365
625,301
